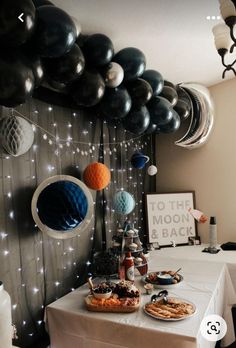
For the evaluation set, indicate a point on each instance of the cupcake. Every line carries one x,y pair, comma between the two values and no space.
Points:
133,246
149,288
147,256
130,233
138,261
136,231
120,232
116,245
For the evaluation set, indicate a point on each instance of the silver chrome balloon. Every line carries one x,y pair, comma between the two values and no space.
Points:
198,134
114,75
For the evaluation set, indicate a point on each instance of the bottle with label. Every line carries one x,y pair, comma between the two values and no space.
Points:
6,330
213,233
129,267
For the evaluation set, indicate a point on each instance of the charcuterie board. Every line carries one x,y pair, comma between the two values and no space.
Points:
121,305
123,297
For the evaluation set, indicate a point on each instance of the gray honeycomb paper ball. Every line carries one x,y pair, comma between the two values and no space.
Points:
16,134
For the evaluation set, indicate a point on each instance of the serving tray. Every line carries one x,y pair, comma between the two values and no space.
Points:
113,309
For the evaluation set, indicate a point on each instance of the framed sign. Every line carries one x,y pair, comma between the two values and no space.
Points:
168,219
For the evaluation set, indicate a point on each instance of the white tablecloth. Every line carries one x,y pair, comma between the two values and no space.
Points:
207,284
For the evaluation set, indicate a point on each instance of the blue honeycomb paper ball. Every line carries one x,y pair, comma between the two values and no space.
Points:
123,202
62,205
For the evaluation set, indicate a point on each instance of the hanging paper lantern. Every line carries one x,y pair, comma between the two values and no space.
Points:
16,135
138,160
97,176
123,202
62,206
152,170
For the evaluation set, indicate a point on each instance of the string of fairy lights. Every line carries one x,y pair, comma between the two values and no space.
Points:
79,149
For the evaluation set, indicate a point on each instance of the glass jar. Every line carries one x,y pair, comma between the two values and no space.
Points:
5,319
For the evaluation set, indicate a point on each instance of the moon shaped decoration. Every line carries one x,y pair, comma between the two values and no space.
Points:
202,117
62,206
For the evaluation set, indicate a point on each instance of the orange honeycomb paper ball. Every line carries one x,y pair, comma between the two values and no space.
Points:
97,176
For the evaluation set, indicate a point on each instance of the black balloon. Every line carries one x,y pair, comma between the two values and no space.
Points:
155,79
161,111
14,32
81,39
38,3
88,89
169,84
170,94
16,79
171,126
98,50
116,103
66,68
140,92
183,109
137,121
133,62
58,86
35,63
152,128
55,32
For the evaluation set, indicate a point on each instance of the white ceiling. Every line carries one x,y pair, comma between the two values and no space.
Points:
174,35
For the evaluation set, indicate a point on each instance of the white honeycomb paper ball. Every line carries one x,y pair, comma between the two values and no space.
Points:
16,134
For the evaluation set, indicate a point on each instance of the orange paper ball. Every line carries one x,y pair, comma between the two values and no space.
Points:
97,176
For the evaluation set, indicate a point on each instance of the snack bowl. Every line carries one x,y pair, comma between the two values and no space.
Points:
97,293
164,278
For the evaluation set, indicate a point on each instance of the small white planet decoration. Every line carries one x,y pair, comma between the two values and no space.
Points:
16,134
152,170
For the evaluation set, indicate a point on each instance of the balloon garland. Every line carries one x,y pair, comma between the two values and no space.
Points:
52,52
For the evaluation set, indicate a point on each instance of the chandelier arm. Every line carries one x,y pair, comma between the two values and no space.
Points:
233,70
228,68
233,38
232,48
223,62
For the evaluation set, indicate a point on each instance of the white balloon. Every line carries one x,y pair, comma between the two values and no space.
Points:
114,75
17,135
152,170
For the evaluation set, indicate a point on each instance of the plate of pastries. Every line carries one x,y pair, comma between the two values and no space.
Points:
121,297
170,309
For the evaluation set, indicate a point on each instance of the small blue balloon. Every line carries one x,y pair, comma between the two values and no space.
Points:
62,206
138,160
123,202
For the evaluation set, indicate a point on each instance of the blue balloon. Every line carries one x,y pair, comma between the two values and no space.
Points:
138,160
123,202
62,206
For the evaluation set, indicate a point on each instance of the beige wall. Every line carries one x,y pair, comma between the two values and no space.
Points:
210,170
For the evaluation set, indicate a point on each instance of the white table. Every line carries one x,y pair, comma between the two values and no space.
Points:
207,284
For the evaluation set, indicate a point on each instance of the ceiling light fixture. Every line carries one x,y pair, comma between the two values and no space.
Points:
224,33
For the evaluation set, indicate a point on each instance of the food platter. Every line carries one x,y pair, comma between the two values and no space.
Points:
125,305
182,309
148,279
124,298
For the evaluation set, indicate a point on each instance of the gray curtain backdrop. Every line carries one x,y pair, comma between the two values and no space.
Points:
37,269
